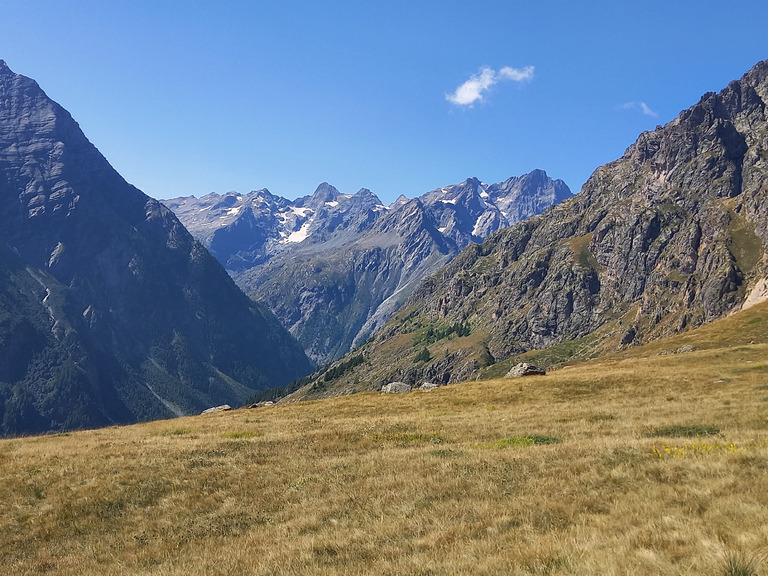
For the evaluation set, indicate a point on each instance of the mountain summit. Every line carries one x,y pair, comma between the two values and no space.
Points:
333,267
110,311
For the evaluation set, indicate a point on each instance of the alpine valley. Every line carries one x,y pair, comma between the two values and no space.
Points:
334,267
670,236
110,311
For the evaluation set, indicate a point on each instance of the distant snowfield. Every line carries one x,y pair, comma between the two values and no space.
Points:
299,235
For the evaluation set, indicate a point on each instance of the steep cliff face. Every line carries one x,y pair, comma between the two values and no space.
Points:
668,237
111,311
333,267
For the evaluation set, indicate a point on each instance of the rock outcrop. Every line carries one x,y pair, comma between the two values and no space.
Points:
396,388
215,409
524,369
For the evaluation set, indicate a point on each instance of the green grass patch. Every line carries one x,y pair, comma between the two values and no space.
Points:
755,368
175,432
576,349
744,244
683,431
239,434
519,441
499,369
582,255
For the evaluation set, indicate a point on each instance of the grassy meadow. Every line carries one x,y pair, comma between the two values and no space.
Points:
638,463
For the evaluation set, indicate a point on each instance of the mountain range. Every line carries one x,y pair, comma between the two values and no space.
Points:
333,267
110,311
668,237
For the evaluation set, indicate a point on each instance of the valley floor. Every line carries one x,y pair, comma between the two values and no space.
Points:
640,464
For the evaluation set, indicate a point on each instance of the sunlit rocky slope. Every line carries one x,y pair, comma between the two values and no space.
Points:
668,237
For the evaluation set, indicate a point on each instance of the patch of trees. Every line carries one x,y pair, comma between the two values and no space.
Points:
434,334
343,368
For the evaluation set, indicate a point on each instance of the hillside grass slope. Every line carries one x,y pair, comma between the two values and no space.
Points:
638,463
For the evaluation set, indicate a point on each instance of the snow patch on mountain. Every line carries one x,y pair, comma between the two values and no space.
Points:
299,235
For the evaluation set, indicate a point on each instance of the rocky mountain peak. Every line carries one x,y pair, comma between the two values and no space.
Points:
323,193
365,197
399,201
536,178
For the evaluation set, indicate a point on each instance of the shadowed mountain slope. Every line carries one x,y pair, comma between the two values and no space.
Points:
109,310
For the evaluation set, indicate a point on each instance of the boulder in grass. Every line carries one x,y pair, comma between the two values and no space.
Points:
261,404
396,388
525,369
221,408
428,386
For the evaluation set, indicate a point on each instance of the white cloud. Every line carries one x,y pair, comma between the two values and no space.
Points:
644,108
647,111
517,74
472,90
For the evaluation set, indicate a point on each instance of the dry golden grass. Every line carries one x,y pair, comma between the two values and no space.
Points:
431,483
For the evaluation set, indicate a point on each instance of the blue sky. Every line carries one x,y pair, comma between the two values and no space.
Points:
190,97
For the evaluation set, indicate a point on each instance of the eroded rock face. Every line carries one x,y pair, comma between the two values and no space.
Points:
123,315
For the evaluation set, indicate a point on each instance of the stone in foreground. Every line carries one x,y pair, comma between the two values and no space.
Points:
525,369
429,386
395,388
222,408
